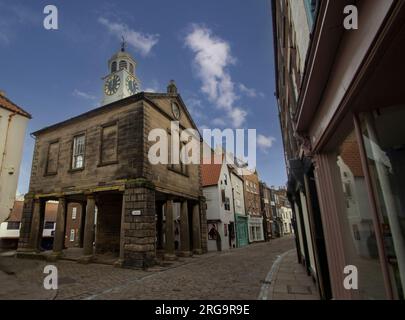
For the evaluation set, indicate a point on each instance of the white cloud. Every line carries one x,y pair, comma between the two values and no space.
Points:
141,42
250,92
265,143
13,19
84,95
194,106
218,122
212,57
150,89
153,86
238,116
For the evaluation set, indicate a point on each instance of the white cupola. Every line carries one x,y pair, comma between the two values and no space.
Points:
122,81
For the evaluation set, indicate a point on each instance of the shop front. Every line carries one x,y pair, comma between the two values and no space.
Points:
357,143
255,225
242,237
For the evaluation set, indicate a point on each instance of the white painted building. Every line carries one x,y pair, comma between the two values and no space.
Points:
286,217
217,189
13,124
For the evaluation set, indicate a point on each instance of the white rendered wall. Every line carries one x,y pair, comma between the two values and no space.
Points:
10,158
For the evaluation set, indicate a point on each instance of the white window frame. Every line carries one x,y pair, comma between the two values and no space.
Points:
74,213
79,143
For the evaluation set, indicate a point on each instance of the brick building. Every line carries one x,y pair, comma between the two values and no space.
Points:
253,205
99,160
265,199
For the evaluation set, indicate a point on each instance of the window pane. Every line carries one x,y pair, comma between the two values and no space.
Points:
78,152
384,140
360,245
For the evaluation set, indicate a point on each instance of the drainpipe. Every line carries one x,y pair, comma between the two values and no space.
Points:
3,156
234,215
10,118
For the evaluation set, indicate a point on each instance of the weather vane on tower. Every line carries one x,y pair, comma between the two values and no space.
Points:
123,44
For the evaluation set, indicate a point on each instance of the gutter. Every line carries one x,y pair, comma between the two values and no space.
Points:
3,156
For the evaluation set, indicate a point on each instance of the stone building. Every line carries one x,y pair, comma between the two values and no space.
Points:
265,200
253,205
99,160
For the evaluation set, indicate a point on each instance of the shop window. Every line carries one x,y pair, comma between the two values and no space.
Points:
384,141
355,213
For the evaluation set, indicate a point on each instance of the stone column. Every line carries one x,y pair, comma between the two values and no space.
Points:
122,232
196,230
35,225
59,238
184,230
169,232
89,226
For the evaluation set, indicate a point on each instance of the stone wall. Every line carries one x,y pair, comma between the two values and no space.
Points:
25,229
203,226
129,119
139,224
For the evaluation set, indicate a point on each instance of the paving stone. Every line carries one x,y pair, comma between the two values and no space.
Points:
234,275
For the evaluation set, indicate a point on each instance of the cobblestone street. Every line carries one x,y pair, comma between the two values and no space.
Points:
237,274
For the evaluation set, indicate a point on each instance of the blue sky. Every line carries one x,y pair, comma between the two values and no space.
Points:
220,53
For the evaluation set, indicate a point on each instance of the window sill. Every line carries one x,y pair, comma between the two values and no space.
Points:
75,170
105,164
50,174
178,172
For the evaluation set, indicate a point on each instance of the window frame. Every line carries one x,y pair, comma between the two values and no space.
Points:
47,173
102,163
81,134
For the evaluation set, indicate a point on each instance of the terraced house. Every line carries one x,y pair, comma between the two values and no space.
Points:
99,160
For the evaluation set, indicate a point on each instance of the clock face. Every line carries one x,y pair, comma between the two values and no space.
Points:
112,84
132,85
176,110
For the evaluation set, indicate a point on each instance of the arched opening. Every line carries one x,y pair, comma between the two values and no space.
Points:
123,65
131,68
114,66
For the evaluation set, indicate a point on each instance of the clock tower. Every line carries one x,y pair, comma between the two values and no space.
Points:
122,81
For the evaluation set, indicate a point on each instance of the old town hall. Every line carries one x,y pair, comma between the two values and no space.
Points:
135,211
